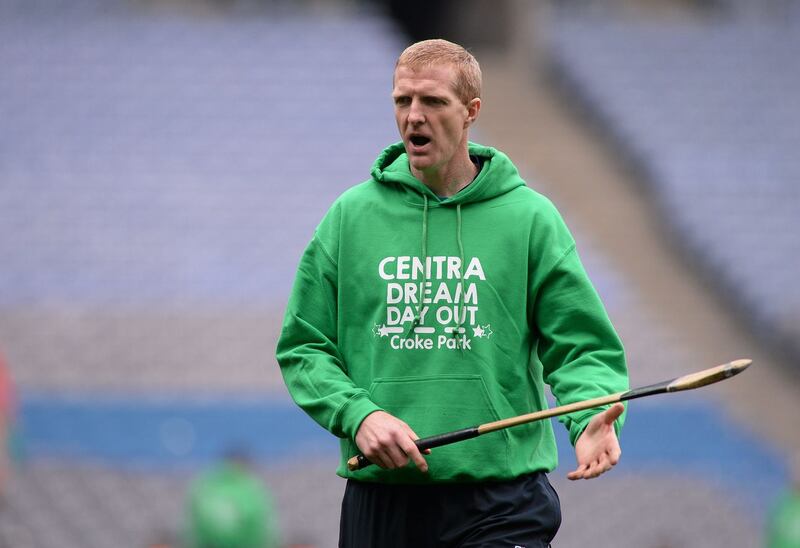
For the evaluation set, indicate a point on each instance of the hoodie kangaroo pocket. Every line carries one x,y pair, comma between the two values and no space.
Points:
434,405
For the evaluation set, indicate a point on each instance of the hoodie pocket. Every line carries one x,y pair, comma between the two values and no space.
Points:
434,405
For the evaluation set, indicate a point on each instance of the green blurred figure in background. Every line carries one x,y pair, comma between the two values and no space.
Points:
8,439
230,507
783,529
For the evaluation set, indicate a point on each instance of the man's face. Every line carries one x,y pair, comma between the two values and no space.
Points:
431,118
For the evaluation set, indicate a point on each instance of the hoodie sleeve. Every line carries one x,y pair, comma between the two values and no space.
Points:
581,353
307,352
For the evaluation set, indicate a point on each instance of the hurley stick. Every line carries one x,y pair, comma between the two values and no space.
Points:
686,382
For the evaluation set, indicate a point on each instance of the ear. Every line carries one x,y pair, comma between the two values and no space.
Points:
473,108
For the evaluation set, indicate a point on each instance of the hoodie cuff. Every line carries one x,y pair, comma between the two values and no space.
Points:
352,414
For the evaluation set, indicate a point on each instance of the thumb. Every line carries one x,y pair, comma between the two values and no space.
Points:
613,413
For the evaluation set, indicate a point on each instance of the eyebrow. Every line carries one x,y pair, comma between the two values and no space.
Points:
423,96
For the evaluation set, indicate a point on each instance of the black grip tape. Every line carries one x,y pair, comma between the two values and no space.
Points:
431,442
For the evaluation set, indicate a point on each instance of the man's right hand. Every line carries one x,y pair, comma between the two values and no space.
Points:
389,442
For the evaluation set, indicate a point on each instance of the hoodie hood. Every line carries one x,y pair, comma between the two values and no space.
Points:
497,176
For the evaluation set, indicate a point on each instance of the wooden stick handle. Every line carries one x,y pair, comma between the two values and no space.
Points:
686,382
548,413
360,461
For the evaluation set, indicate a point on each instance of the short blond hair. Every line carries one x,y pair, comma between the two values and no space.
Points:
467,84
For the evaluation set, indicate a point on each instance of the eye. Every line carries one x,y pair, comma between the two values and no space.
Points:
435,101
402,101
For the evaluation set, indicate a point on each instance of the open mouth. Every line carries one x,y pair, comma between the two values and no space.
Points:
419,140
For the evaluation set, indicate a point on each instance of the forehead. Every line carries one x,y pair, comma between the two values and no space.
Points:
438,79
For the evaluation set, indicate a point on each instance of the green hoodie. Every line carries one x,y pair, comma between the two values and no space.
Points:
229,507
784,522
447,313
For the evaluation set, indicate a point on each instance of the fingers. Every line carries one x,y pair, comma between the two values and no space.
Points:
413,451
600,466
614,455
591,470
377,457
397,452
595,468
613,413
389,442
386,452
578,472
385,456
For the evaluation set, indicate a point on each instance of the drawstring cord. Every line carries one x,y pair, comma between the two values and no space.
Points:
460,318
418,310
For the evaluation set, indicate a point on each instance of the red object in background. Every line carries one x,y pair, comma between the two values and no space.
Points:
8,401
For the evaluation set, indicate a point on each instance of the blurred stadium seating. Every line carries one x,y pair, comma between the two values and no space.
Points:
707,111
161,171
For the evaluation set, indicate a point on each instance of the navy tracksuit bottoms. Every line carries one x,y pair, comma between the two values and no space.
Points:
521,513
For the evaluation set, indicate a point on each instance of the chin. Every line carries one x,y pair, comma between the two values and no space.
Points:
421,162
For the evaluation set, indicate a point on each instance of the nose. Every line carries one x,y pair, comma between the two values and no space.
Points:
416,115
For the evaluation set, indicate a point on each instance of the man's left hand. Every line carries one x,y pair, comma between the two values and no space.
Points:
597,449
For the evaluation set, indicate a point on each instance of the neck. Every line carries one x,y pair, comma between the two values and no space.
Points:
448,180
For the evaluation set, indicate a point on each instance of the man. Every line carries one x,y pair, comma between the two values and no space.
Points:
783,523
228,506
441,294
8,409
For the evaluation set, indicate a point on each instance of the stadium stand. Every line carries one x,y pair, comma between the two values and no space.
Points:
160,173
706,110
132,131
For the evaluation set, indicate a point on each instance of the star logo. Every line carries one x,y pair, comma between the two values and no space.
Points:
381,330
488,330
478,331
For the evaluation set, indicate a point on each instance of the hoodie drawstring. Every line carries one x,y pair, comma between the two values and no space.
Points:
459,321
417,312
460,318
